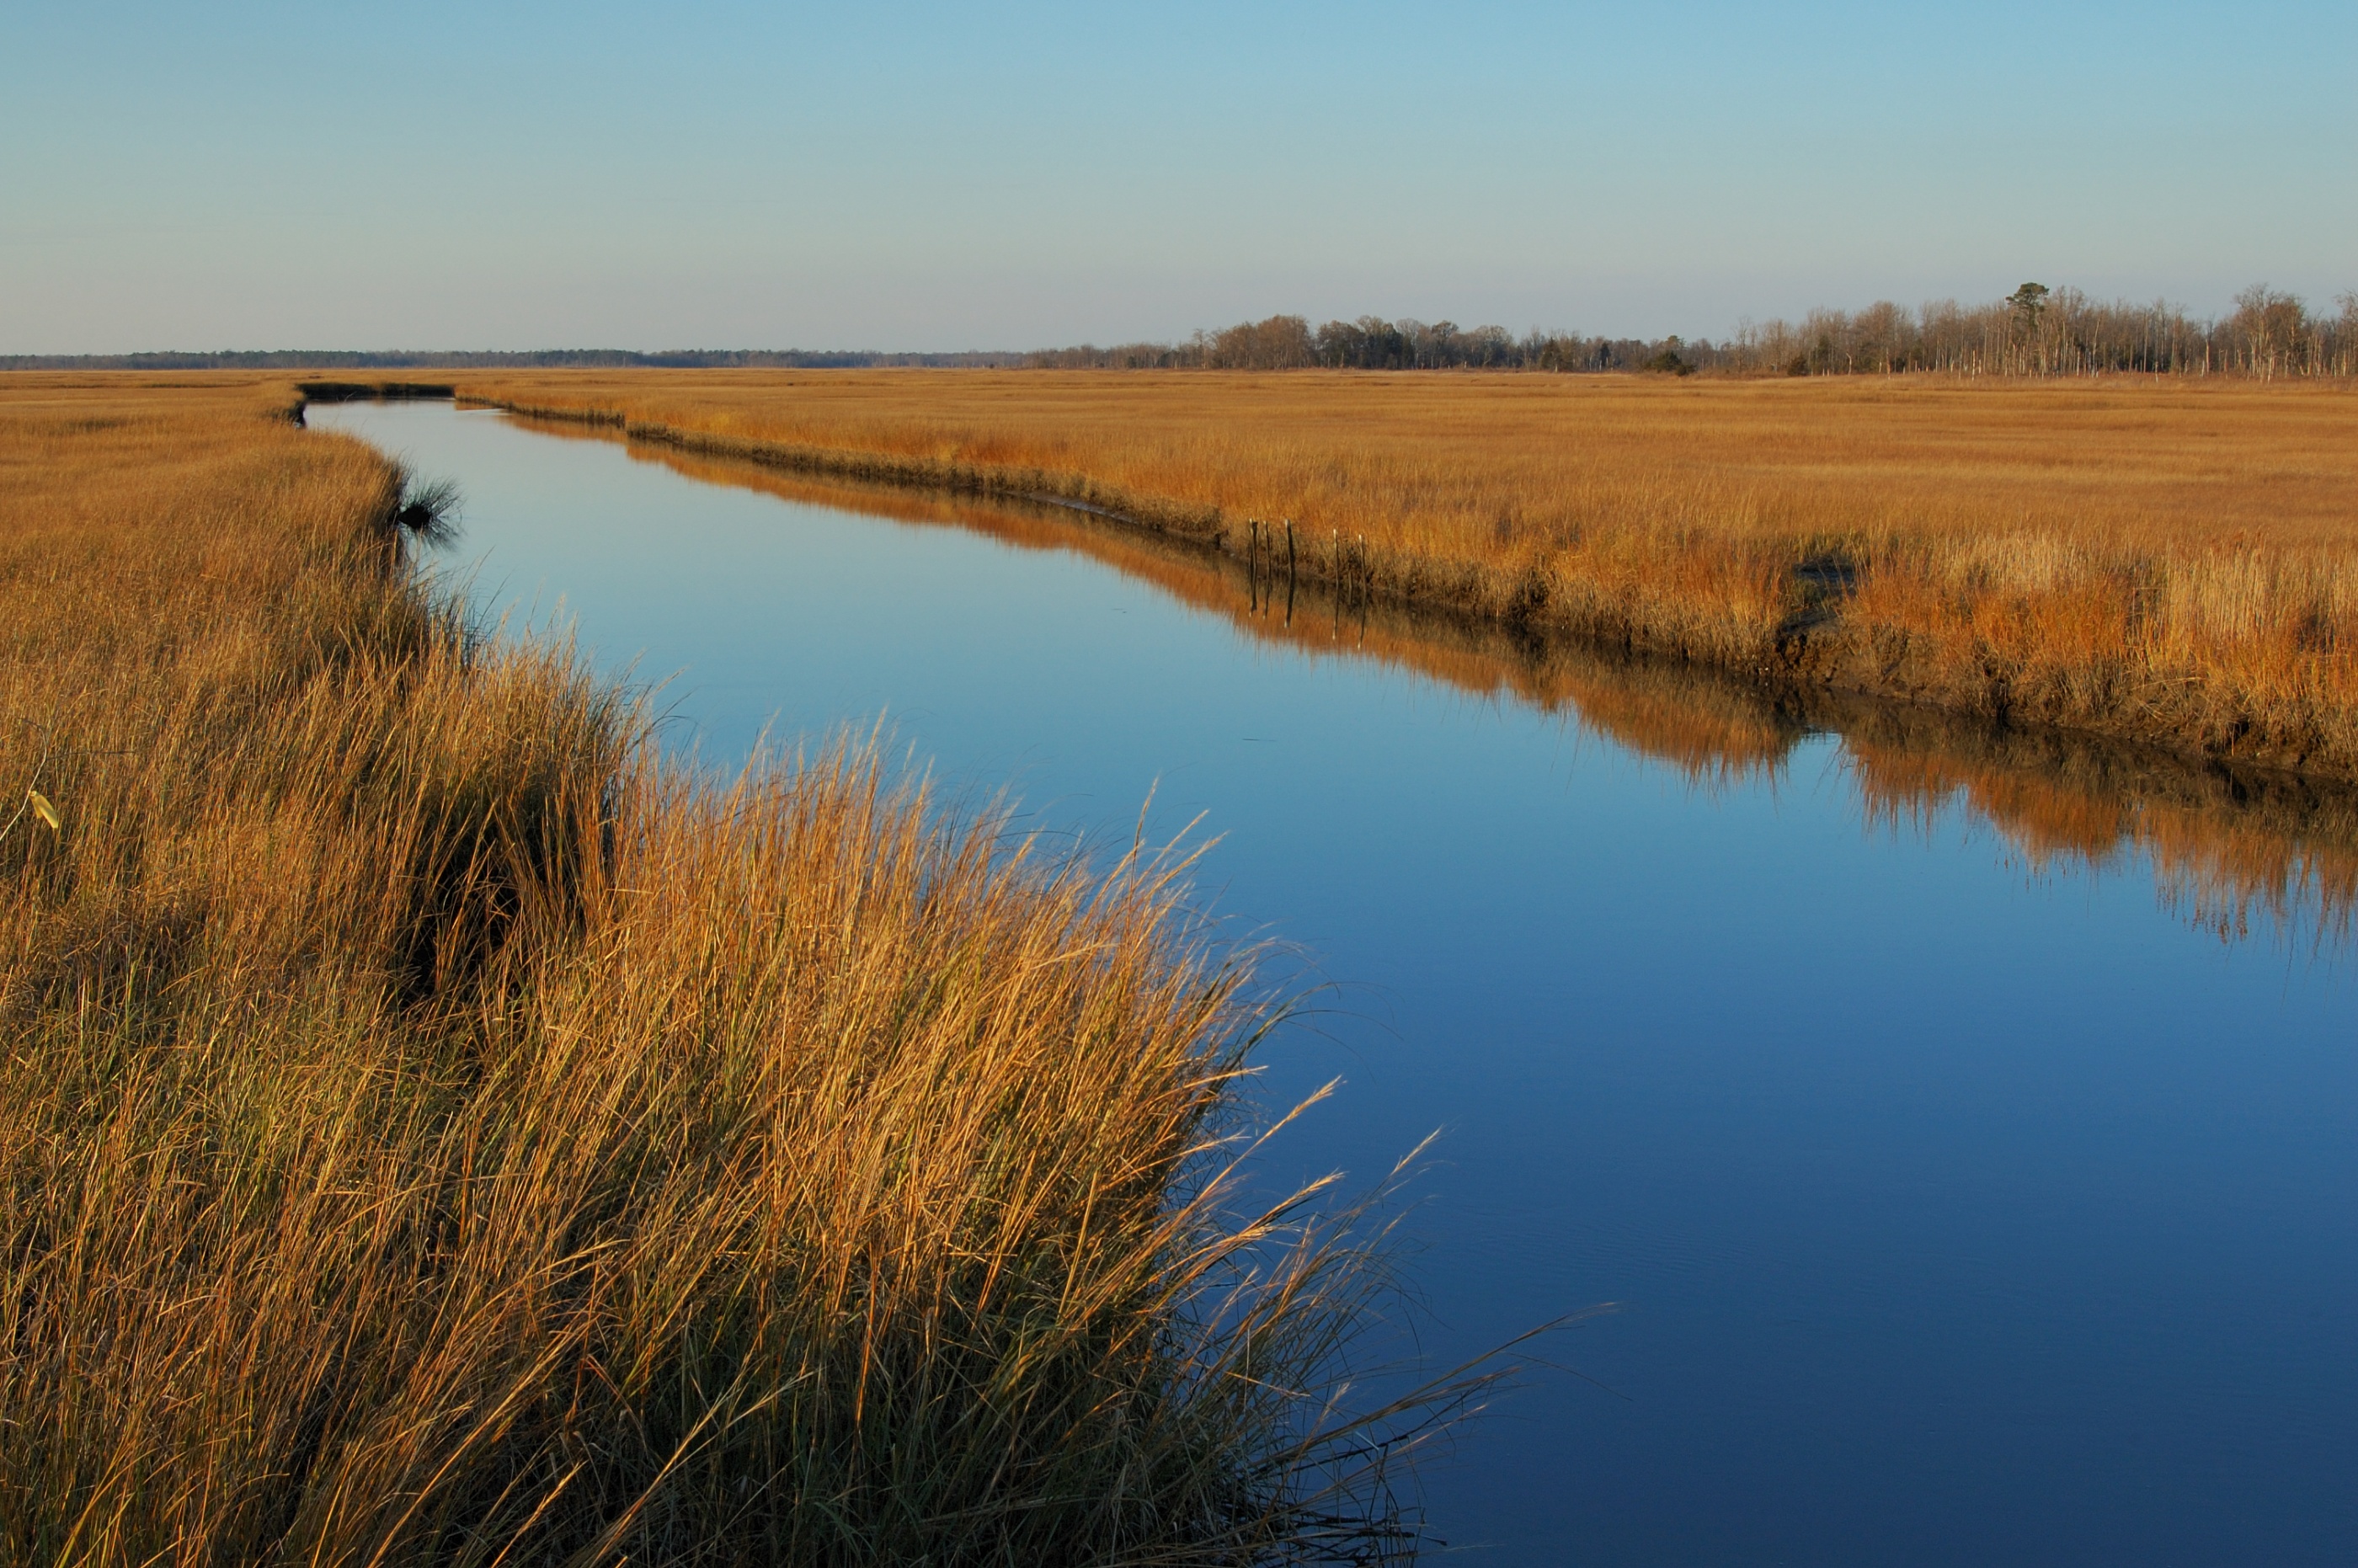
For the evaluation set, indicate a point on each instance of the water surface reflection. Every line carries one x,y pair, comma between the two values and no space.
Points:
1970,1198
2234,851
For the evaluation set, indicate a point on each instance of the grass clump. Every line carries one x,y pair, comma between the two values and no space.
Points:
435,1130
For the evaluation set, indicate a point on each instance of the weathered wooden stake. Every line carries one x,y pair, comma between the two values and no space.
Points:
1289,571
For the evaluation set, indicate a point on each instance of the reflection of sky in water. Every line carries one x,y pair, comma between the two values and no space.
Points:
1958,1215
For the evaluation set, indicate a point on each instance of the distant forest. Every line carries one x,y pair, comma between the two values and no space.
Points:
2034,331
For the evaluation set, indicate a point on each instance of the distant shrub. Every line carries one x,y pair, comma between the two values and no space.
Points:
1668,360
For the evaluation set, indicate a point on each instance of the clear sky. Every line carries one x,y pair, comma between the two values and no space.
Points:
907,176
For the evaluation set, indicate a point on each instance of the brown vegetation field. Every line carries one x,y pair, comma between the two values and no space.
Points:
2166,559
434,1130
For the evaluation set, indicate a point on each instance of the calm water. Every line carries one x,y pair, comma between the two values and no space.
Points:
1970,1137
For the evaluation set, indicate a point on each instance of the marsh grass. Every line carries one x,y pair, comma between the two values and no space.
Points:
2153,558
435,1129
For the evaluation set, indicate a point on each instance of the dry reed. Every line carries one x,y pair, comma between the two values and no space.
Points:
436,1131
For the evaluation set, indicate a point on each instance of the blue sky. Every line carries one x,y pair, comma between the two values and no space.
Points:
906,175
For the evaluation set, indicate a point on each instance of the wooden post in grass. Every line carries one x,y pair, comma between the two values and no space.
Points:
1289,571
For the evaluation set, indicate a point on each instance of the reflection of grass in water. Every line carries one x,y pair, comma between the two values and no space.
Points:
2226,849
2221,875
434,1128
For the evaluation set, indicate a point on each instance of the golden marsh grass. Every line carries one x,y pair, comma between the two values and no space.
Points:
436,1130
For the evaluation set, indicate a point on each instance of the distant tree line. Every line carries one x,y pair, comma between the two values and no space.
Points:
2037,331
2034,331
1290,342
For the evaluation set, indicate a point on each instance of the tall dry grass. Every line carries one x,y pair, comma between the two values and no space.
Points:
435,1131
2160,559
